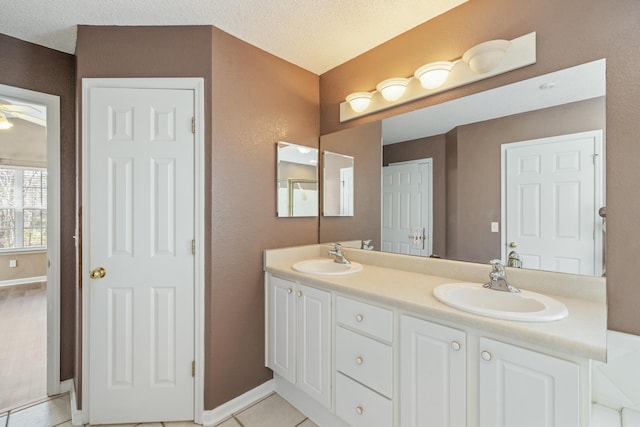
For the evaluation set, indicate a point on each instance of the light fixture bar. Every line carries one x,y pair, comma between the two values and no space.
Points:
521,52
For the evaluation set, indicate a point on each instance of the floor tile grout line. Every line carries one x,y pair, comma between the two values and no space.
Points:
252,404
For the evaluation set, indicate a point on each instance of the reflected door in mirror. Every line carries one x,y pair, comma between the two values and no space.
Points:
337,184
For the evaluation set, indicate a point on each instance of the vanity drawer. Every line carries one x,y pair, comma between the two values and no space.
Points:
365,360
361,407
372,320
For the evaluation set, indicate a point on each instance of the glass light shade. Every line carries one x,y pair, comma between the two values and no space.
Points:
486,56
4,123
392,89
433,75
359,101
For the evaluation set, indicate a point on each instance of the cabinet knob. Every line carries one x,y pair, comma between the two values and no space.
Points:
486,355
359,317
455,345
359,360
299,293
289,290
359,410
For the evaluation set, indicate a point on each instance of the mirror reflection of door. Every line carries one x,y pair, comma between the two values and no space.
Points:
407,208
553,188
338,171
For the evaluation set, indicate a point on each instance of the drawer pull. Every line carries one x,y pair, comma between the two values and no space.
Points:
486,355
359,318
455,345
359,360
359,410
299,293
289,290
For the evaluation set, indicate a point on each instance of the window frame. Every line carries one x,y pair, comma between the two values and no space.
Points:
19,209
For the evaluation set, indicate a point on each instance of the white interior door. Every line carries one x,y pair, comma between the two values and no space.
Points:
406,208
141,229
553,192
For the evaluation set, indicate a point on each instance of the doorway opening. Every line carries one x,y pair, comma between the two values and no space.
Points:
29,233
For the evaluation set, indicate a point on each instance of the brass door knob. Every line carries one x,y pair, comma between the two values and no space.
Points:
98,273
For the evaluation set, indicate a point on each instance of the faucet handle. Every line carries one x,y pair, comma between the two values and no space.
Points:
337,246
498,265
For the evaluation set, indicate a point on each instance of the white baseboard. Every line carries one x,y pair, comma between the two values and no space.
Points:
66,386
224,411
22,281
77,415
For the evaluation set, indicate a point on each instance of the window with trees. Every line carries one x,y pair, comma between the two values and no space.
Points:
23,208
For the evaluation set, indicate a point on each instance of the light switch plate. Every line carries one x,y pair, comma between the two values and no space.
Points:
495,227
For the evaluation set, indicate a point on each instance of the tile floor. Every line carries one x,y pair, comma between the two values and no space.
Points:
272,411
23,353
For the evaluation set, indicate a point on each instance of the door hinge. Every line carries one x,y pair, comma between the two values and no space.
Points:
193,125
193,247
595,156
193,368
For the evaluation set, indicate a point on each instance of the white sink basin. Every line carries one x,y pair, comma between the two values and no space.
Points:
525,306
326,267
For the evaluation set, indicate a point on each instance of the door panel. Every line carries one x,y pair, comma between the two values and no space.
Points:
551,196
406,208
141,228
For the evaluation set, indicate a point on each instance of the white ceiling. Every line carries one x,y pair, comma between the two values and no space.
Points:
316,35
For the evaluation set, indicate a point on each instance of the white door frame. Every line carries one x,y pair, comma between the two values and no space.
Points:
429,162
599,185
52,102
197,85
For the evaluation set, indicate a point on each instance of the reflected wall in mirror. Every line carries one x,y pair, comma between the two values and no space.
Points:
297,180
464,139
337,184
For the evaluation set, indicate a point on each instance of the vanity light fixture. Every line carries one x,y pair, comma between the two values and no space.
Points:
304,150
433,75
4,123
482,61
392,89
359,101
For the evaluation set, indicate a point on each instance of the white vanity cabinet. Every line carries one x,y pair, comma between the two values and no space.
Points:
524,388
433,380
299,340
364,363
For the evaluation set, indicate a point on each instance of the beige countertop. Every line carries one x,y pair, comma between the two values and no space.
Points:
581,334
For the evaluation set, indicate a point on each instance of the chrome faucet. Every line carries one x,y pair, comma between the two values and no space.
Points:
338,255
498,278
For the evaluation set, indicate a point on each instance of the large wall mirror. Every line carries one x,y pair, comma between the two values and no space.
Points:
517,170
337,184
297,180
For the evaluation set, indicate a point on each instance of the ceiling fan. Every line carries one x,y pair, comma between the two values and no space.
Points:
19,110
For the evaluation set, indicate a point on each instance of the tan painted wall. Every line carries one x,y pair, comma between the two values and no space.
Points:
569,32
364,144
33,264
37,68
253,100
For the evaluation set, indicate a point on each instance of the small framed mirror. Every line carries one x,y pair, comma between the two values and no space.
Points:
297,180
337,184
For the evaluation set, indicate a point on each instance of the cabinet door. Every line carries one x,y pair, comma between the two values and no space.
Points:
314,352
282,328
524,388
432,375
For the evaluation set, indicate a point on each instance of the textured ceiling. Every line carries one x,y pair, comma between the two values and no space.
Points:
314,34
